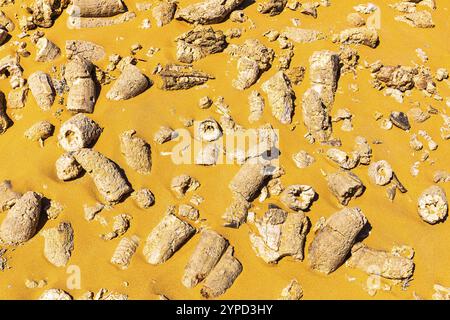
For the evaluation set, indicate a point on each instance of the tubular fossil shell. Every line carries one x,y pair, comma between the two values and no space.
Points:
58,244
40,131
22,219
315,116
125,251
334,240
82,95
96,8
324,74
236,213
46,50
130,83
166,238
208,11
380,172
222,276
137,152
108,176
77,67
67,168
249,180
432,205
345,186
361,35
298,196
206,255
78,132
382,263
42,89
209,130
8,196
280,96
256,104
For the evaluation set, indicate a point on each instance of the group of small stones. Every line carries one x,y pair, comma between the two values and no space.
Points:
279,232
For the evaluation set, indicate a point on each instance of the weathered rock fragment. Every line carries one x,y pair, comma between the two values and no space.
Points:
397,77
303,159
55,294
164,134
182,77
271,7
300,35
107,175
334,240
5,121
249,180
400,120
164,12
380,172
95,8
198,43
280,234
85,49
40,131
18,97
120,225
256,104
6,22
67,168
281,97
10,67
144,198
8,196
208,130
21,221
42,89
441,292
208,11
75,22
188,211
58,244
381,263
78,132
432,205
125,251
182,184
137,152
441,176
166,238
418,19
82,91
324,74
46,50
298,197
344,160
293,291
362,35
315,116
45,12
130,83
222,276
345,185
207,253
236,213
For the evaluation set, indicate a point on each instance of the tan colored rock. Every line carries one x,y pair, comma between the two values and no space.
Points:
74,22
298,197
418,19
315,116
271,7
124,252
18,97
432,205
42,89
208,11
67,168
293,291
46,50
85,49
380,263
345,186
96,8
107,175
137,152
441,176
334,240
5,121
362,35
8,197
78,132
182,77
6,22
144,198
55,294
166,238
344,160
58,245
40,131
280,96
324,74
21,221
182,184
121,223
164,12
130,83
207,253
249,180
301,35
256,104
236,213
380,172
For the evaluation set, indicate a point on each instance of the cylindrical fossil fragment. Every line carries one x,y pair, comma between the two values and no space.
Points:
40,131
67,168
46,50
206,255
78,132
380,172
96,8
249,180
22,219
42,89
315,115
107,175
130,83
81,97
382,263
222,276
324,74
58,244
334,240
208,130
432,205
345,185
77,67
125,251
298,196
166,238
137,152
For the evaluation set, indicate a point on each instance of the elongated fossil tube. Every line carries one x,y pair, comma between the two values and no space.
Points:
334,240
22,219
130,83
42,89
107,175
166,238
78,132
46,50
222,276
136,151
249,180
96,8
125,251
81,97
58,244
206,255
